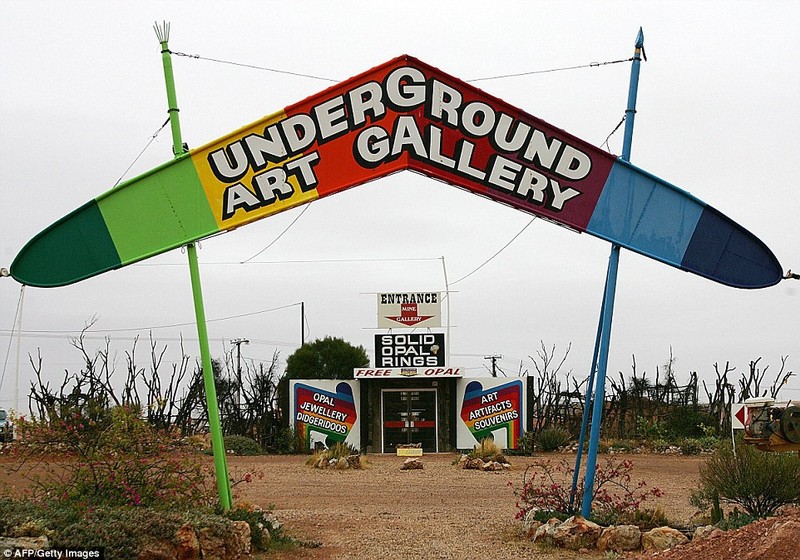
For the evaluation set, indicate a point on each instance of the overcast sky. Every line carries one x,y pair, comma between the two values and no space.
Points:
82,93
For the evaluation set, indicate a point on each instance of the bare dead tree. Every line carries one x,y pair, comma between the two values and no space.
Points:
750,384
780,379
163,400
192,413
722,397
551,403
260,395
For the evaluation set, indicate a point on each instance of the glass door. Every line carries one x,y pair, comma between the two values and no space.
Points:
409,416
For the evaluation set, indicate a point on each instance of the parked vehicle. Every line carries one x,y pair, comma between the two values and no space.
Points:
6,427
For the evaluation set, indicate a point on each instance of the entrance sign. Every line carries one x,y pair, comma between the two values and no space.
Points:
400,115
325,411
490,408
409,350
386,373
409,309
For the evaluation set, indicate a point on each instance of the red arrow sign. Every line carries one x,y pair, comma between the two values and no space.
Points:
738,416
409,315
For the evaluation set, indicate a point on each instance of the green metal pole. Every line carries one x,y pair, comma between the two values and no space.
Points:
217,445
172,99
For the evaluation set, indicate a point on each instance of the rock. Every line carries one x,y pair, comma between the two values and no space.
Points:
492,466
545,533
506,466
33,543
576,533
474,463
620,538
333,462
187,547
530,523
662,538
500,458
354,461
462,462
410,464
157,550
717,532
703,532
212,547
238,541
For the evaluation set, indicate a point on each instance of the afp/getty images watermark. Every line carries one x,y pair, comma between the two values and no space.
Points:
56,553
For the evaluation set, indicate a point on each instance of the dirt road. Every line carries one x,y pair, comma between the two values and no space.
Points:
440,511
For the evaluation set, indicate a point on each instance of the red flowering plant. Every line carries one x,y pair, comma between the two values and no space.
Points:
546,491
112,459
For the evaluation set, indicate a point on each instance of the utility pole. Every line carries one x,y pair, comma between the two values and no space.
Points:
238,343
494,359
302,323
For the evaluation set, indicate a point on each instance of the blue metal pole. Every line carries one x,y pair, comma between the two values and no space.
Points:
587,404
607,312
633,88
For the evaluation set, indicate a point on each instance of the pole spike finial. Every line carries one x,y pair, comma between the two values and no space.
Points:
640,43
162,31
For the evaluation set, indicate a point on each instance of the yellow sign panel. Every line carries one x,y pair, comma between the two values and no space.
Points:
409,452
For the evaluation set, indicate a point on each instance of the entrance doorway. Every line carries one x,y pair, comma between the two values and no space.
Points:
409,416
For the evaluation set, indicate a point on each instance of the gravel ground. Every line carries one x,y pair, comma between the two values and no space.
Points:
440,511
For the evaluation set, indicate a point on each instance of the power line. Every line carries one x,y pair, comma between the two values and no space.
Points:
295,261
503,248
326,79
271,243
44,333
152,138
561,69
616,128
254,67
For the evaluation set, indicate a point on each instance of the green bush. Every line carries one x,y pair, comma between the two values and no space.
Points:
696,446
760,482
690,446
735,520
123,530
128,462
687,422
525,444
550,439
289,442
623,446
650,429
242,445
659,445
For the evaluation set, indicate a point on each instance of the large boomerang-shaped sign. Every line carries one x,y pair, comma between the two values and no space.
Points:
403,114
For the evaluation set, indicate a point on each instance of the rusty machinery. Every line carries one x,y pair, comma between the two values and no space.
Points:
772,427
